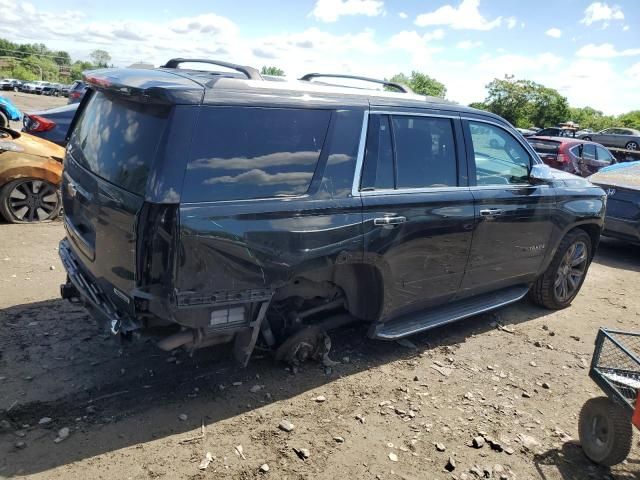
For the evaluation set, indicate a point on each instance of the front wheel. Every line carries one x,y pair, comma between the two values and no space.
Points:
560,283
4,120
605,431
588,139
29,200
631,146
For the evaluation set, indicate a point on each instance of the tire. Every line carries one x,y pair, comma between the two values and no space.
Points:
15,89
605,431
588,139
559,284
632,146
4,120
44,200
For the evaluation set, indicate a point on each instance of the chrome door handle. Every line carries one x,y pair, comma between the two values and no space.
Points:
384,221
491,212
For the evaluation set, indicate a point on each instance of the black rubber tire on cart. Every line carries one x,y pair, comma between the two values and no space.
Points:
560,283
605,431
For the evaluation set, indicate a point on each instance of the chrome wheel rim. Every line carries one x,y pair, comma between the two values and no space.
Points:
570,271
632,146
33,201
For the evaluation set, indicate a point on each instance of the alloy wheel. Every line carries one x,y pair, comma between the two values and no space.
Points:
570,271
33,201
632,146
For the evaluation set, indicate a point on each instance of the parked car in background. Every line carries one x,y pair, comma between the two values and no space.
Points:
30,173
51,124
52,89
556,132
572,155
64,91
34,87
8,112
76,91
10,84
627,138
326,202
526,132
622,184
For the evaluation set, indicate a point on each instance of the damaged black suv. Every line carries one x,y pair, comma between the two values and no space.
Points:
219,206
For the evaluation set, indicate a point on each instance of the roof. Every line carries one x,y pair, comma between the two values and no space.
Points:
180,86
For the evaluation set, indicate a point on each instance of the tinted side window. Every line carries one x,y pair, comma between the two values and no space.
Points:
425,152
377,171
604,154
500,158
589,151
245,152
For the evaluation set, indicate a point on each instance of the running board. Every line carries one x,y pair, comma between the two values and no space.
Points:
421,321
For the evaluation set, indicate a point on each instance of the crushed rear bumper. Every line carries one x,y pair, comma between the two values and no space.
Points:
82,287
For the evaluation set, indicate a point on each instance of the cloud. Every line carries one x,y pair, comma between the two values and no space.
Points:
260,177
260,162
633,71
331,10
466,16
402,15
554,32
468,44
511,22
419,46
601,12
605,50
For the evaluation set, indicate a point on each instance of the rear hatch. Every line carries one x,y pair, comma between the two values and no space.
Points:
110,156
546,149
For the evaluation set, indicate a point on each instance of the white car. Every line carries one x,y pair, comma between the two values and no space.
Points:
34,87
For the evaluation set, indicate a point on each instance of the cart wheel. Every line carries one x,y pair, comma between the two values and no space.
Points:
605,431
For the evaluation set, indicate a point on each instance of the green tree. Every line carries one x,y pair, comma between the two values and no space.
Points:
421,83
275,71
630,119
525,103
100,58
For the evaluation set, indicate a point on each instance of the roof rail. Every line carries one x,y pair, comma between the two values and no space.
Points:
398,86
250,72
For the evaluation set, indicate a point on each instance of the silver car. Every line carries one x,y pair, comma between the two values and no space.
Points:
628,138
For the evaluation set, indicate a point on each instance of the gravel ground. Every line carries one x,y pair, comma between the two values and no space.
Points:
133,411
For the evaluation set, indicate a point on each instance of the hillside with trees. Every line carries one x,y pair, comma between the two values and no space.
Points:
37,62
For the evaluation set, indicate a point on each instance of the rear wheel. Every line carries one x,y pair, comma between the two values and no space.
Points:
605,431
588,139
632,146
560,283
29,200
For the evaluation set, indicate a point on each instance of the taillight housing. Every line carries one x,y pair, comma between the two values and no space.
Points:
563,154
40,124
74,95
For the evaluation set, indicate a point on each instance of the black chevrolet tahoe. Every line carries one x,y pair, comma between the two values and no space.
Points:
211,207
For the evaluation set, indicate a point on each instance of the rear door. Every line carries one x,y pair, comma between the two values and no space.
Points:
417,209
109,157
514,217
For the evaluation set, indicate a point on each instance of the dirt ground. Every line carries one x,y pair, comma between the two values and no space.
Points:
133,411
136,412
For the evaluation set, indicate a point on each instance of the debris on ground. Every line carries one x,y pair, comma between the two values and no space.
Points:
204,464
286,425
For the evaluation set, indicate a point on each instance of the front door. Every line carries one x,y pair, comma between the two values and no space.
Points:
418,211
514,217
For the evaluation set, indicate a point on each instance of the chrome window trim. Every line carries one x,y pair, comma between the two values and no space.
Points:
355,189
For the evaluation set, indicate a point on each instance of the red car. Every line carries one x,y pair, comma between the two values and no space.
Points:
572,155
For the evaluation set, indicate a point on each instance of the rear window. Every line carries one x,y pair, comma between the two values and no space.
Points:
118,140
545,147
246,152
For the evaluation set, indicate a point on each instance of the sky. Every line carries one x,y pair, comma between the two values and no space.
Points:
588,51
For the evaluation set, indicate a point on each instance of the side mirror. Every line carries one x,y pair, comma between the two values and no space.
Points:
541,173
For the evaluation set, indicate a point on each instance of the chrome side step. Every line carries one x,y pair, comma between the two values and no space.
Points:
421,321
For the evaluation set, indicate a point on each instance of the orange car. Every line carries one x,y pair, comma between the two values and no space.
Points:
30,174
